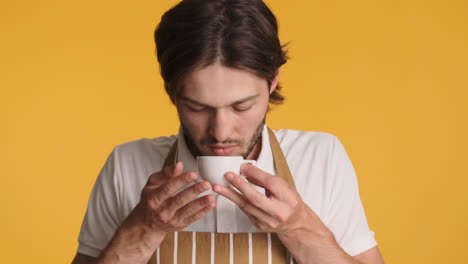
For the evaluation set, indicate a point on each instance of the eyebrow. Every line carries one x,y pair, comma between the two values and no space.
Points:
237,102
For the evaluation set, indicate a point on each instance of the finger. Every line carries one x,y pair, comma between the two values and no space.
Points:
243,203
258,176
255,197
174,170
195,206
161,177
187,195
168,189
273,207
257,223
198,215
273,184
263,226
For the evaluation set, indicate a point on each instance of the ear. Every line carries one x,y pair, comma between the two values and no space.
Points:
275,81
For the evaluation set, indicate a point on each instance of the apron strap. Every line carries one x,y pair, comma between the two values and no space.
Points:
282,168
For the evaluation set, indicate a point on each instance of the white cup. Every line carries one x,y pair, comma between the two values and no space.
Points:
213,168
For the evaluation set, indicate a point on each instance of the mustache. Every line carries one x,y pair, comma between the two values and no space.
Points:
214,141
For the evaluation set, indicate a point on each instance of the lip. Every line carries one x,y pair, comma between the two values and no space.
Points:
225,150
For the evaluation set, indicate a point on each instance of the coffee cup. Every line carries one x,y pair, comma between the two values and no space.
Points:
213,168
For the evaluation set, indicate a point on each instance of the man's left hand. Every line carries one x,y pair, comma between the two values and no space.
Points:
281,210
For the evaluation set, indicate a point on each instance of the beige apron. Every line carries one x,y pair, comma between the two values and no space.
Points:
230,248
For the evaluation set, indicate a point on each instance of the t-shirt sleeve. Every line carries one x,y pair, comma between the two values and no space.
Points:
345,213
103,215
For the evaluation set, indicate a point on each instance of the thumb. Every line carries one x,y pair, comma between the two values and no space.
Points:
175,170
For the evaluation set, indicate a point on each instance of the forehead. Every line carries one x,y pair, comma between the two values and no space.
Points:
219,85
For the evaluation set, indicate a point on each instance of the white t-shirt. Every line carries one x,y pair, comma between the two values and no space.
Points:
322,172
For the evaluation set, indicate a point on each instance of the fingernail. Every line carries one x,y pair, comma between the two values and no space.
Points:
193,176
244,167
229,176
174,167
210,199
205,186
217,188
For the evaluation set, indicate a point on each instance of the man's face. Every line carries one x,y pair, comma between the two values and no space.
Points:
222,111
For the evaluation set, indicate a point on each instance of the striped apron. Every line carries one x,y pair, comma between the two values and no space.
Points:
226,248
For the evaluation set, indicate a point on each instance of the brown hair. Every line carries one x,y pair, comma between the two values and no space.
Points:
241,34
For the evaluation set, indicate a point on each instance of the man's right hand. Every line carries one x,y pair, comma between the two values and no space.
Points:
162,208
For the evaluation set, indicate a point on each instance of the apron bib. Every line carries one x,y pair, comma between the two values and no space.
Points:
226,248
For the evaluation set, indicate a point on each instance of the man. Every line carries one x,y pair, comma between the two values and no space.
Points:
220,61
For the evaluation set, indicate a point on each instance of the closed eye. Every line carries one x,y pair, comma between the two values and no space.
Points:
195,108
242,108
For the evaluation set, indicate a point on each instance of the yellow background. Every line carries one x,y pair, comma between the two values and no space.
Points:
389,78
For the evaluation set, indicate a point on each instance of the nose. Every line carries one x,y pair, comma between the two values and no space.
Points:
221,125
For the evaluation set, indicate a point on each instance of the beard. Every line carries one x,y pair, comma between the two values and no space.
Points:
254,139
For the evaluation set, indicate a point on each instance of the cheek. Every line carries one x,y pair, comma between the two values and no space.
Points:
252,117
195,123
191,121
258,112
250,120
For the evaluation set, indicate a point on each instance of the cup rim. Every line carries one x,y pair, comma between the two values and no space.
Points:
223,157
